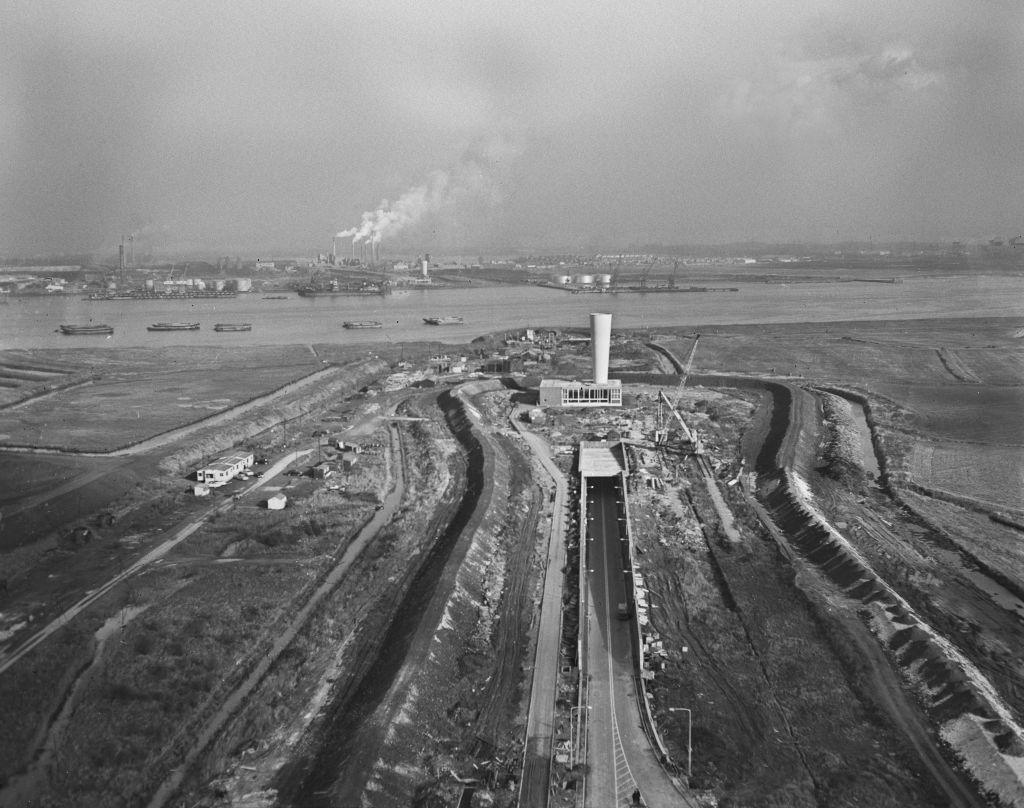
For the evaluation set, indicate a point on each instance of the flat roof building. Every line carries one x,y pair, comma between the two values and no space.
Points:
560,393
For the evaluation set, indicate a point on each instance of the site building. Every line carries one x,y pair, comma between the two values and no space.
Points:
224,468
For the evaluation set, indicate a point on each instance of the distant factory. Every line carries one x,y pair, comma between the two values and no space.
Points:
600,392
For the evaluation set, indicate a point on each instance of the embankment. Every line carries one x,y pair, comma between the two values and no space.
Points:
970,717
337,762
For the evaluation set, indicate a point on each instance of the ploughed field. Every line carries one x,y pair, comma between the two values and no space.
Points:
947,396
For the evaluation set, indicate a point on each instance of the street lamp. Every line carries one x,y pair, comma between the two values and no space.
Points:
689,737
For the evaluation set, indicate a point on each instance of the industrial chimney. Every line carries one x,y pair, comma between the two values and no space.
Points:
600,341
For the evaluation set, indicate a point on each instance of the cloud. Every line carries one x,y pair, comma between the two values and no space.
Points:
807,95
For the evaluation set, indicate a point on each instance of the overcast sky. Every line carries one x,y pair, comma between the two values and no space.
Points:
248,126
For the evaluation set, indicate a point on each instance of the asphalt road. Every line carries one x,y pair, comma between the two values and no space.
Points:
620,757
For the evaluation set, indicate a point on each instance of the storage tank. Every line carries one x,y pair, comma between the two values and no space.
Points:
243,284
600,343
604,280
562,280
150,285
218,285
584,280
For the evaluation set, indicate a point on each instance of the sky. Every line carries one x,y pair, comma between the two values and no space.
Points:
241,127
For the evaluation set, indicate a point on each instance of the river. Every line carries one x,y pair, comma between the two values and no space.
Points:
32,322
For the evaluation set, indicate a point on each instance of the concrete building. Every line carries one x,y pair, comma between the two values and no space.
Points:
601,392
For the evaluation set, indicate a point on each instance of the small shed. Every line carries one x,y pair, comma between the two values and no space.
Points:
277,502
348,460
322,471
201,490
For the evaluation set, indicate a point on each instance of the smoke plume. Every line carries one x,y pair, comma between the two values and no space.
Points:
477,177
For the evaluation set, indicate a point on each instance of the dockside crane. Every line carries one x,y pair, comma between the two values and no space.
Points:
645,271
614,285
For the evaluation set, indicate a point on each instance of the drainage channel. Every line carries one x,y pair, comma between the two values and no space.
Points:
329,766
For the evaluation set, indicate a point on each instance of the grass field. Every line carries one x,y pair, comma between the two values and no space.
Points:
981,413
989,474
137,396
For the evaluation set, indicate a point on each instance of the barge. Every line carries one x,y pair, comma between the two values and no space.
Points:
232,326
362,324
451,319
72,330
173,327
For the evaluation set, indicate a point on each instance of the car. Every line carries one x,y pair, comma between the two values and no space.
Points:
259,474
378,507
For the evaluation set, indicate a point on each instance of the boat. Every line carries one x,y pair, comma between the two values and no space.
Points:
275,297
86,329
450,319
232,326
361,324
173,327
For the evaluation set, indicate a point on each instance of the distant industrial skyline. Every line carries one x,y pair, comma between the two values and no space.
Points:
204,128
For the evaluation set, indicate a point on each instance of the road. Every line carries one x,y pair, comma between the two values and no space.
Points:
158,552
620,757
540,723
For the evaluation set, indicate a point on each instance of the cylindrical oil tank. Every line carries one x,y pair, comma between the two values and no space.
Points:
218,285
585,280
562,280
600,342
604,280
244,284
149,285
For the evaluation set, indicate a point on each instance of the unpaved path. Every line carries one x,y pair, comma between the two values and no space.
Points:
157,553
237,697
541,722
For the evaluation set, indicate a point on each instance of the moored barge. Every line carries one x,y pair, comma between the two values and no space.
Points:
173,327
73,330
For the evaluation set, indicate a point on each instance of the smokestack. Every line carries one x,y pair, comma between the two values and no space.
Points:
334,250
600,342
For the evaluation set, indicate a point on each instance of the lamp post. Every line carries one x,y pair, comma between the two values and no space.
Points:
689,737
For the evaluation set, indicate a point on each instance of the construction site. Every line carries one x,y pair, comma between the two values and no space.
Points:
715,567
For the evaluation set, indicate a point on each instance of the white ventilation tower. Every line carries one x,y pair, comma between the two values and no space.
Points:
600,343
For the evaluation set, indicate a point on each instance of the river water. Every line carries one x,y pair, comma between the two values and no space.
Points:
32,322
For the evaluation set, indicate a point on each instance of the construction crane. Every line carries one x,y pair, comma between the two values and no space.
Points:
690,434
689,360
